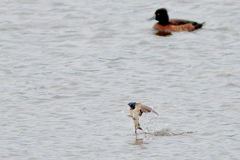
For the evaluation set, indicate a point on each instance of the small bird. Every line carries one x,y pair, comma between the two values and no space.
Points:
136,110
173,25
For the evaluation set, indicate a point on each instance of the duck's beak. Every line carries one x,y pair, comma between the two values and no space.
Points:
152,18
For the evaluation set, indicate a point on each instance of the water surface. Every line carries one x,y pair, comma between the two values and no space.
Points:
69,68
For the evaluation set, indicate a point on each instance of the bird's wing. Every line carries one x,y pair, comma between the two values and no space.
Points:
180,22
146,109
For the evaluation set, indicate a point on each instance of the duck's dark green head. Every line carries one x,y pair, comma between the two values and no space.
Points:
161,16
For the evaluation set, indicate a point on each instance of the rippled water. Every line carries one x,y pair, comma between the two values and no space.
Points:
69,68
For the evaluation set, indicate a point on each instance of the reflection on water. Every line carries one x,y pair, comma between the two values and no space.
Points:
163,33
138,142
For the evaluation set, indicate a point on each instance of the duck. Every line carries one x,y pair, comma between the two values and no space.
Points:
136,110
173,25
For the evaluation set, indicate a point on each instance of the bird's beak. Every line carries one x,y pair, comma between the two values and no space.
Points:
152,18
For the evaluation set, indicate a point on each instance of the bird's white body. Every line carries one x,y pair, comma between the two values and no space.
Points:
135,113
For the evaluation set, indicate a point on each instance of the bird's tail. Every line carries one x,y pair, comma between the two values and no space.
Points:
138,127
199,25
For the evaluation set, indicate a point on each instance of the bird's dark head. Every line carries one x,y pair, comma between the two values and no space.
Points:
161,15
132,105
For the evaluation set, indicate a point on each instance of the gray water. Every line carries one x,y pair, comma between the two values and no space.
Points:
69,68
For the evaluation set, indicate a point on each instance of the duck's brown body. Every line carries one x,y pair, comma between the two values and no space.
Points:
174,28
174,25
